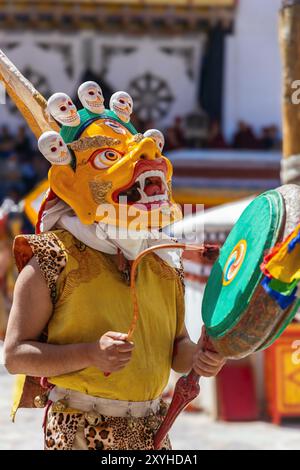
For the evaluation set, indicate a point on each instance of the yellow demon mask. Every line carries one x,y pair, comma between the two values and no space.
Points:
102,168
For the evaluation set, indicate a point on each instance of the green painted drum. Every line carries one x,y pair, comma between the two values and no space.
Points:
240,317
237,273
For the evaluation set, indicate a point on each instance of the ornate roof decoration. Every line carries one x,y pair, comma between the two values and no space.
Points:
135,15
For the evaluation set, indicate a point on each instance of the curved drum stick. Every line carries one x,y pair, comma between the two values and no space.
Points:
187,387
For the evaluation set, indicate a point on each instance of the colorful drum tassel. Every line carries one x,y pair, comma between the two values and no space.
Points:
281,267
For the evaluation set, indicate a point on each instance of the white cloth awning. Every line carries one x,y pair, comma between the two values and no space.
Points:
218,219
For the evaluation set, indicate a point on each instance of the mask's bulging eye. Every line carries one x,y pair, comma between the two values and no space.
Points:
104,158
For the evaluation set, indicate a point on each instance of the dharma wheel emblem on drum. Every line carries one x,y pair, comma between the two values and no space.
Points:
234,262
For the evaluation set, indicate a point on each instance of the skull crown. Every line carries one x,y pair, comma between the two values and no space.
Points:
91,97
54,149
157,136
61,107
121,103
63,110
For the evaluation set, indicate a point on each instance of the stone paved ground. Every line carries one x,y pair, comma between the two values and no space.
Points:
191,431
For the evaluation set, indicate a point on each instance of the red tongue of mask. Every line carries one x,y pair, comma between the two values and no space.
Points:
153,187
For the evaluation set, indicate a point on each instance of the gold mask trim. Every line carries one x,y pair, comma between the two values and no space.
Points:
86,143
99,190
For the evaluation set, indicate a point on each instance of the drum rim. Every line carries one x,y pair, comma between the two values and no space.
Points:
289,314
282,325
275,198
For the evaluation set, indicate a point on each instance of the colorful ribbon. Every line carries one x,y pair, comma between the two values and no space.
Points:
284,301
281,267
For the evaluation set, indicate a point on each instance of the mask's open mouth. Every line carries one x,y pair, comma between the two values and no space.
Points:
149,187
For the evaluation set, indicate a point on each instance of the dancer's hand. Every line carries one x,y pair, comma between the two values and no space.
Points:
207,363
112,352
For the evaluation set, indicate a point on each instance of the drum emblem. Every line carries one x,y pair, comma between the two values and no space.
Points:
234,262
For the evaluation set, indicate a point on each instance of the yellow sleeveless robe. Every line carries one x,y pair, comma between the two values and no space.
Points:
90,297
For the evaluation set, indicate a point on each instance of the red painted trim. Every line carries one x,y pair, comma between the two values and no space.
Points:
51,195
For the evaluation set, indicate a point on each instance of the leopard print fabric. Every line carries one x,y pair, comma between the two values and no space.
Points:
49,252
180,274
122,434
73,431
61,430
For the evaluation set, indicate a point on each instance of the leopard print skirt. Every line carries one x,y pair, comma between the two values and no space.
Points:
79,431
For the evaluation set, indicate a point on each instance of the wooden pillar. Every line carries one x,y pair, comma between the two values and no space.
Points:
289,32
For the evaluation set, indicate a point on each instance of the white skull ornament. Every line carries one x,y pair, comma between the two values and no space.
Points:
62,108
54,149
157,136
91,97
121,103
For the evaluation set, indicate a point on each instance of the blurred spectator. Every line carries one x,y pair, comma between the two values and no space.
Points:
41,166
6,142
179,131
7,279
147,125
21,167
172,142
174,135
137,122
196,129
216,139
13,194
11,224
13,175
276,138
244,137
12,168
270,139
29,175
22,143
